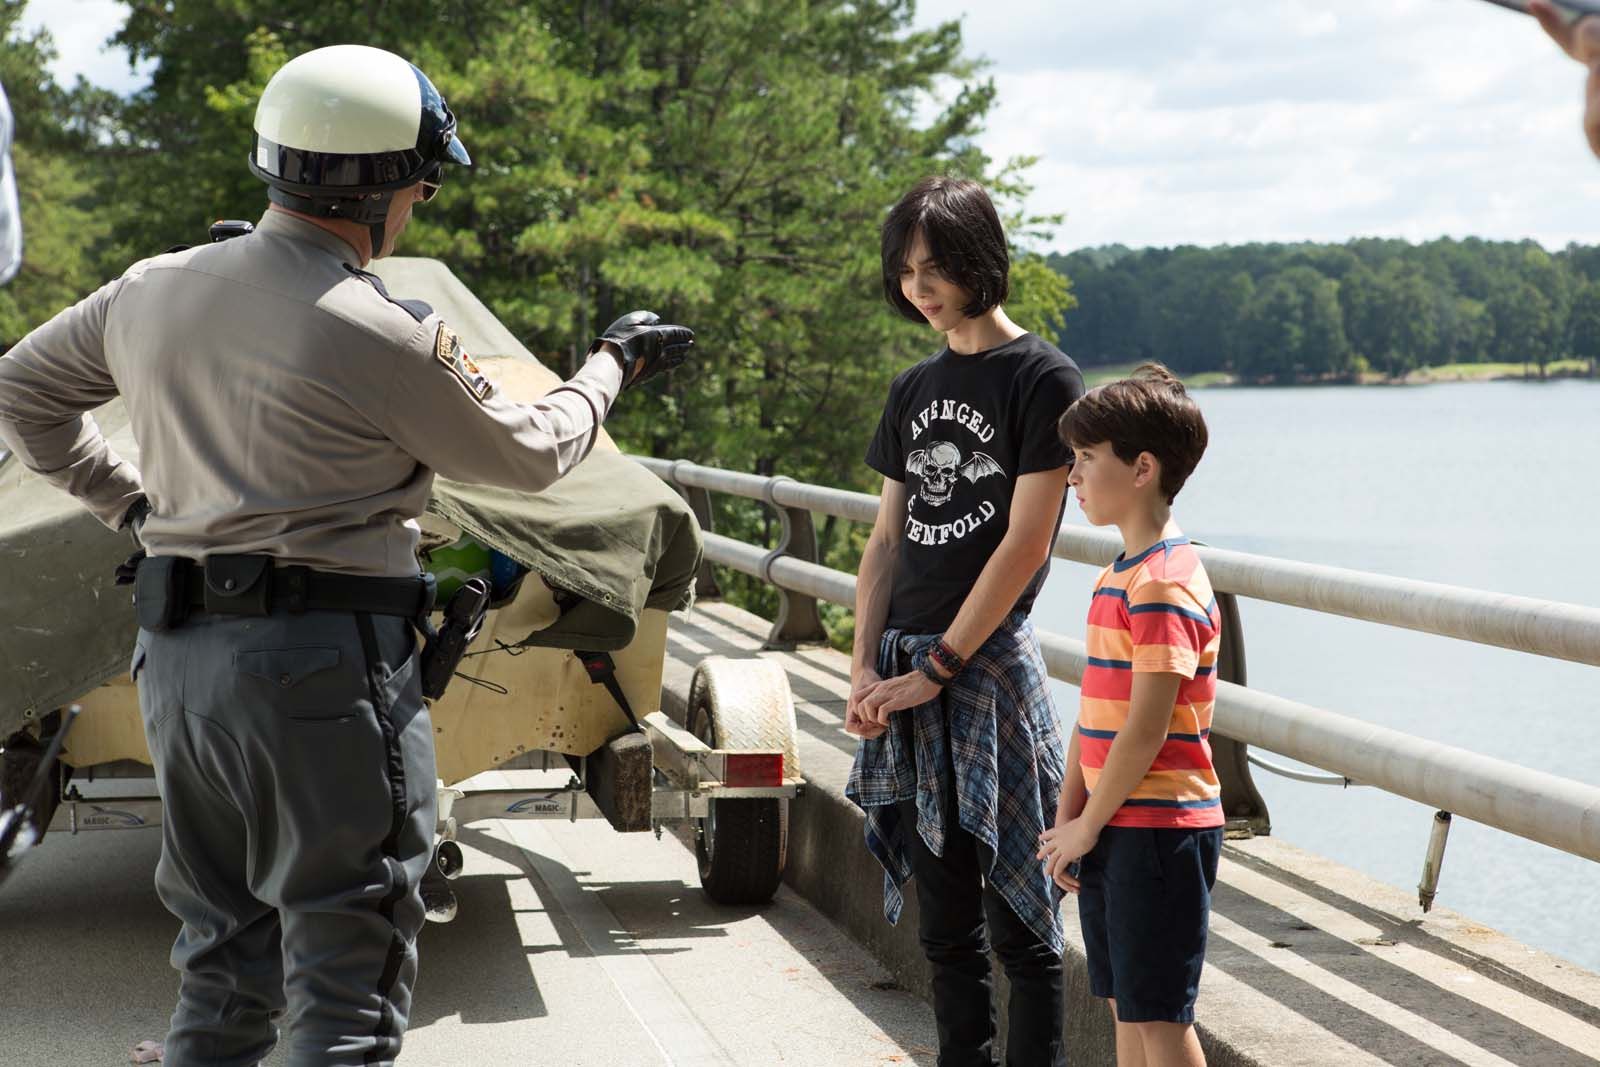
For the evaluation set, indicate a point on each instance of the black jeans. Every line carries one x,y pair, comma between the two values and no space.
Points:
953,904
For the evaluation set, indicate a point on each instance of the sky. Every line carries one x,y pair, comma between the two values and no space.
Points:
1163,122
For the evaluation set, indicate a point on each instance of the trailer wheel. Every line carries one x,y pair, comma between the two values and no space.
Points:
743,843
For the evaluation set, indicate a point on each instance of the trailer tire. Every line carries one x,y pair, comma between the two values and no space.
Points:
742,845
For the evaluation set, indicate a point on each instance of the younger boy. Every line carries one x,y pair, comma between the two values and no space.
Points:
1140,811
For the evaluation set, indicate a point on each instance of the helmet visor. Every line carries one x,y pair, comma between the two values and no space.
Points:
452,148
436,133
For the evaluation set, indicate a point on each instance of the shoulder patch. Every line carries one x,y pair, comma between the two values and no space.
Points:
417,309
447,350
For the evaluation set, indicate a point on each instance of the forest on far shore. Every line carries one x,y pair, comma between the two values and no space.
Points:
1262,313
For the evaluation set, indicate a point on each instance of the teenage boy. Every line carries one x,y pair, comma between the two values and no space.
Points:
962,757
1140,811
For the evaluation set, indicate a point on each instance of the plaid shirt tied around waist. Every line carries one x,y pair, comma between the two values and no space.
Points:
998,728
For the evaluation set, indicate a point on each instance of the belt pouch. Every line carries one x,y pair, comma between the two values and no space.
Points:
159,592
238,585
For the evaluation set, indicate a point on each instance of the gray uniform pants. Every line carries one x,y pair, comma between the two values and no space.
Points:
295,760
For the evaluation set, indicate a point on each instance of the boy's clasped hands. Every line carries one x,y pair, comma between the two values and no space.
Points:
874,698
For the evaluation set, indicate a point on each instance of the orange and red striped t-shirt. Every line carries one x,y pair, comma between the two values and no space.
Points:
1155,613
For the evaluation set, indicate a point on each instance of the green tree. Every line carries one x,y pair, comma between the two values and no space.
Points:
1472,333
1524,324
1272,332
1408,308
1584,323
1293,330
1401,305
1195,325
728,165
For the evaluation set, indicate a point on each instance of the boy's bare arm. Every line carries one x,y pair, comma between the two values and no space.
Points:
1074,793
1136,746
1135,749
874,581
1035,510
1026,545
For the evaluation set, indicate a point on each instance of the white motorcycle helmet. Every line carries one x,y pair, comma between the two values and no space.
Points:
339,130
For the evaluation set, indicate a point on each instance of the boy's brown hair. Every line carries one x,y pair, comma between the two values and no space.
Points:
1148,411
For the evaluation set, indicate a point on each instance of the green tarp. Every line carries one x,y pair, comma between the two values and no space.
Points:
610,533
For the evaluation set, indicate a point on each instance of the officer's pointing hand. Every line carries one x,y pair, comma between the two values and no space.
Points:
644,345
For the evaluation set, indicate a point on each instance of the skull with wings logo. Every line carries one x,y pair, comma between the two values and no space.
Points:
940,464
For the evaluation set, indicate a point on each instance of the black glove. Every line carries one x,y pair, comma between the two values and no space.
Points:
133,519
133,522
645,344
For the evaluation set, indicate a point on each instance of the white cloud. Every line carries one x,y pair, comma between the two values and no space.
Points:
1171,121
80,29
1232,121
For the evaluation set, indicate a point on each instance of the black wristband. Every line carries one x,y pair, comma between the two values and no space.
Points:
947,657
923,662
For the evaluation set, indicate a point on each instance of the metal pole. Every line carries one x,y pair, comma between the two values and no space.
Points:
1525,624
1434,860
1243,806
799,620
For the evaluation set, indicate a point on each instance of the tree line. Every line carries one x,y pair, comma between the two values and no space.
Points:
1310,312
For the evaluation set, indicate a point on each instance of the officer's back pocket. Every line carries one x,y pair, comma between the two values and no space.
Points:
285,667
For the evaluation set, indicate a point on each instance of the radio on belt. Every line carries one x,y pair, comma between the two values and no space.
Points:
442,652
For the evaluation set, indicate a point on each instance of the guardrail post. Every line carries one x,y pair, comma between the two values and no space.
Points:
705,580
1242,804
799,622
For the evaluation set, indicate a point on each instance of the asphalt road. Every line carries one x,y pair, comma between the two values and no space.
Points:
574,945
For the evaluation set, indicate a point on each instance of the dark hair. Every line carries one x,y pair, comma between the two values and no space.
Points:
964,238
1148,411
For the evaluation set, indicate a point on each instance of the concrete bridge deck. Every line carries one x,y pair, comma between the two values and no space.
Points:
1310,963
580,946
574,945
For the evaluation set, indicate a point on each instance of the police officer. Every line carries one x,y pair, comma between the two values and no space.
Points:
290,419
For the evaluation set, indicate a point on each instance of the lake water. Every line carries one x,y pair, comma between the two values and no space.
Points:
1487,485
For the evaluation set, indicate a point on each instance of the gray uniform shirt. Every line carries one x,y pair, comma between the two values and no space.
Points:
281,403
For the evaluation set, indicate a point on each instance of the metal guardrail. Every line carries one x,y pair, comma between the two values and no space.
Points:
1554,811
1523,624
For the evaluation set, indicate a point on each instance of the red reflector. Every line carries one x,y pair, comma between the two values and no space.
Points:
753,769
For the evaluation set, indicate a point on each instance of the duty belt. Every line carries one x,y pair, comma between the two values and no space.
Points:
169,589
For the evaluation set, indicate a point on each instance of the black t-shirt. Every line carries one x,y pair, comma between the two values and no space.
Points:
958,430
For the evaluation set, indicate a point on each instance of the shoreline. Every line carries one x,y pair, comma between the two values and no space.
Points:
1449,373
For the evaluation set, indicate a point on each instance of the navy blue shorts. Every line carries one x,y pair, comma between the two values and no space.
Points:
1144,903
